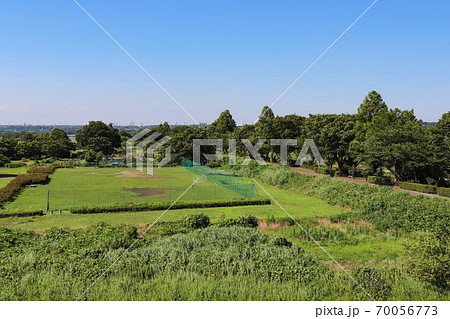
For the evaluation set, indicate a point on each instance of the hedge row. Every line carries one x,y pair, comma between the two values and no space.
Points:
379,180
42,169
443,191
161,206
6,214
429,189
36,175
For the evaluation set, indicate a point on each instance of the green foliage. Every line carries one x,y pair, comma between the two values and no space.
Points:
15,165
99,137
443,191
196,221
20,213
42,170
385,207
429,256
130,207
242,221
322,170
379,180
223,125
338,173
373,281
4,160
429,189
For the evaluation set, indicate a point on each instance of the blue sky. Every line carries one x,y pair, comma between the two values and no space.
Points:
58,67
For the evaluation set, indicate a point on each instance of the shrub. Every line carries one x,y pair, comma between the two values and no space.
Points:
281,241
322,170
213,164
429,189
443,191
338,173
130,207
3,160
196,221
379,180
428,256
15,165
373,282
243,221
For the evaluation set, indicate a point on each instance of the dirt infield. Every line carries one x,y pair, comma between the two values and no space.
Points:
144,192
136,174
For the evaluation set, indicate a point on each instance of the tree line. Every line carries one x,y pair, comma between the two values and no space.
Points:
376,137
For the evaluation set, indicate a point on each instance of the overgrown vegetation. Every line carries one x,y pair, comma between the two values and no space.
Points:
212,263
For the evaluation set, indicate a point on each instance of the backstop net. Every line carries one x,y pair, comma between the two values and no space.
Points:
232,182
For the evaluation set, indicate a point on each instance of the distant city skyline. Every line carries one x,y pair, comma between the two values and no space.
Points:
59,67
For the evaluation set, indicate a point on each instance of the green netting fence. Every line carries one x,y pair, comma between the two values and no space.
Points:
232,182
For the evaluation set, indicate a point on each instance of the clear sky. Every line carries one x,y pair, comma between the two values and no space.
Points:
57,66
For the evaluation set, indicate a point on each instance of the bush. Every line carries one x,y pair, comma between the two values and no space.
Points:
322,170
443,191
379,180
281,241
373,282
3,160
337,173
422,188
428,256
196,221
213,164
130,207
15,165
243,221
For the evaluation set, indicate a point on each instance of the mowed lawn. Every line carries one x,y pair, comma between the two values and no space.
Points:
7,174
104,186
110,182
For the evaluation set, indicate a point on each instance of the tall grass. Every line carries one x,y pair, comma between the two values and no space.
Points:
215,263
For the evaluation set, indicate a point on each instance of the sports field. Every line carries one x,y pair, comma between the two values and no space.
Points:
105,186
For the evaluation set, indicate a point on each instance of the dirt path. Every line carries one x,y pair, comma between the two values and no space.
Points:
362,181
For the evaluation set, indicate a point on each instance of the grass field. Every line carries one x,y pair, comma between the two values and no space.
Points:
355,244
110,181
7,174
103,186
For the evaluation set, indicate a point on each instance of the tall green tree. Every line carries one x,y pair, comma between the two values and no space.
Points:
99,137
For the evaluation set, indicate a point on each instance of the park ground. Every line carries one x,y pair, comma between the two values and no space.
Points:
355,244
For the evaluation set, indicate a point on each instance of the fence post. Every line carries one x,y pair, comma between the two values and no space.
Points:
48,201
